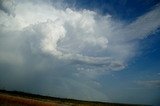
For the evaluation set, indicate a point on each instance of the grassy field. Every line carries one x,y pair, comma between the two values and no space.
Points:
14,98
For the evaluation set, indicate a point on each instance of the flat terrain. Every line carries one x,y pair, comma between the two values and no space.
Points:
8,100
14,98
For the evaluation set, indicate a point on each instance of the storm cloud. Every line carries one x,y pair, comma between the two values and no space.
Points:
61,51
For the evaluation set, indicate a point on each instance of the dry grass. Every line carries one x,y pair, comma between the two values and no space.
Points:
8,100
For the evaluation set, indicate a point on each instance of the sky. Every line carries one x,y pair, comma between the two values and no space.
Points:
95,50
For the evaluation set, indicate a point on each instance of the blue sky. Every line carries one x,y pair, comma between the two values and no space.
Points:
98,50
122,9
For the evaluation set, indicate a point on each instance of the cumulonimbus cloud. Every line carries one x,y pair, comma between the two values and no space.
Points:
83,42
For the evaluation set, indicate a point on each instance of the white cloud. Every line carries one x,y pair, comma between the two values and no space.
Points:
45,36
8,6
77,44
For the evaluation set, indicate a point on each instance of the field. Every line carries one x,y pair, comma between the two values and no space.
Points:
14,98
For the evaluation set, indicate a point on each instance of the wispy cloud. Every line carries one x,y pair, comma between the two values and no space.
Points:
144,25
149,83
